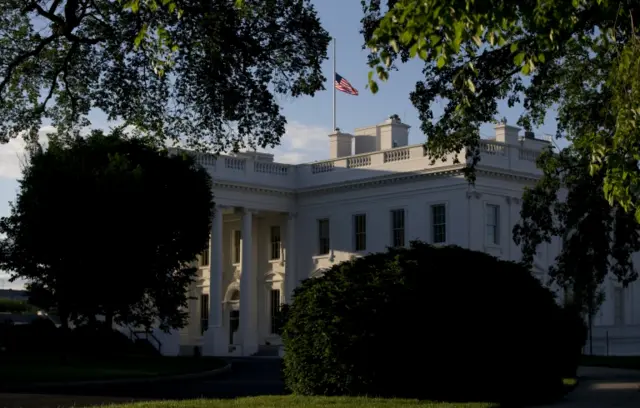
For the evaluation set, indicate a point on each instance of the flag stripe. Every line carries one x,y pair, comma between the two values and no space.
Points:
343,85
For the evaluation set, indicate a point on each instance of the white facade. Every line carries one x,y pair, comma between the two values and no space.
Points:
277,224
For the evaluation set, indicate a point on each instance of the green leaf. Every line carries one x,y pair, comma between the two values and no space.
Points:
440,62
373,86
394,45
471,86
519,58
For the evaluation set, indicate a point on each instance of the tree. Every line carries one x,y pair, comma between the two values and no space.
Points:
599,238
436,301
107,225
202,72
581,56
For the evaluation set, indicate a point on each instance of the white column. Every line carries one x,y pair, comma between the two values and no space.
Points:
211,336
290,262
216,268
248,289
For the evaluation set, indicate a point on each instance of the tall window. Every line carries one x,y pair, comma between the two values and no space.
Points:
275,242
237,241
204,313
360,232
618,306
439,223
397,228
324,243
204,258
275,308
493,220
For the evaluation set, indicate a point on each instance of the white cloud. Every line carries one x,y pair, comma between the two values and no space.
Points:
5,284
12,154
302,143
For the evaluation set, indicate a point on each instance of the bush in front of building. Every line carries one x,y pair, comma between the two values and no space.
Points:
15,306
427,322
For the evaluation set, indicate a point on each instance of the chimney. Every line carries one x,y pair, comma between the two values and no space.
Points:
340,144
507,134
393,133
529,135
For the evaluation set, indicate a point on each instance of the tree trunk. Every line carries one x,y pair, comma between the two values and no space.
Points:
108,320
65,334
590,333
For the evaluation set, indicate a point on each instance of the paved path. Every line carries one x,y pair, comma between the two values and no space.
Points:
604,388
248,377
599,388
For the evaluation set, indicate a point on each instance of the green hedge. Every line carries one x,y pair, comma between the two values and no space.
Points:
438,323
15,306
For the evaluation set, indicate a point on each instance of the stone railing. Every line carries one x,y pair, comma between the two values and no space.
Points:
412,158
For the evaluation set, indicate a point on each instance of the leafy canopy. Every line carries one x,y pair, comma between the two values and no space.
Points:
108,225
580,56
599,239
204,72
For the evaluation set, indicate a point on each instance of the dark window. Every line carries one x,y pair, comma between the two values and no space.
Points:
237,242
275,242
275,309
397,228
439,223
493,223
204,313
324,243
204,258
360,232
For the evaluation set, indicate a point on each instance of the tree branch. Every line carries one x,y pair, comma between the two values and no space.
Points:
22,58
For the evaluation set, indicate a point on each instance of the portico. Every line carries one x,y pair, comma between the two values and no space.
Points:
251,272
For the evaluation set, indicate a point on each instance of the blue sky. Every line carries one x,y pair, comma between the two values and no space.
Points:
310,119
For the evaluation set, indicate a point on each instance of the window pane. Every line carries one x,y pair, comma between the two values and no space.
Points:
397,228
360,228
237,244
275,308
493,220
439,223
324,243
275,242
204,313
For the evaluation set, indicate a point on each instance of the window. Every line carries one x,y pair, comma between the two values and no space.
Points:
397,228
439,223
360,232
275,242
204,313
618,306
204,258
493,221
275,309
237,242
324,243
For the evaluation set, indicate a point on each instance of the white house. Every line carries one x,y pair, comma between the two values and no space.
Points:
276,224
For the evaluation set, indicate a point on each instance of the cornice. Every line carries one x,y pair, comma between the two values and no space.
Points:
400,177
253,188
394,178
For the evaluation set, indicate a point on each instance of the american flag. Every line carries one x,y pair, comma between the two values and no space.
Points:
343,85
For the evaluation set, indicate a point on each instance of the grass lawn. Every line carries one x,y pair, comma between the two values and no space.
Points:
301,402
60,401
37,369
629,362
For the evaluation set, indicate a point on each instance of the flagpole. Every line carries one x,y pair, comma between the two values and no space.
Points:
333,85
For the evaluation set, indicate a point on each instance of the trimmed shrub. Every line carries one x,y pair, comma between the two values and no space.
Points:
38,336
15,306
571,339
427,322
